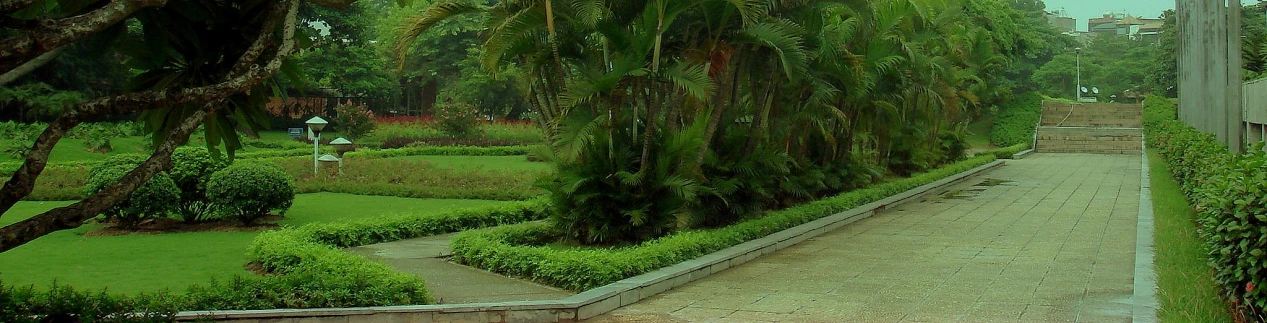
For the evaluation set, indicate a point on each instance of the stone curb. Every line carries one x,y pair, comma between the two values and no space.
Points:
1023,153
596,301
1144,300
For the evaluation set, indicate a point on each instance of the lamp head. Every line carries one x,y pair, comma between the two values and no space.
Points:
316,124
1077,50
341,145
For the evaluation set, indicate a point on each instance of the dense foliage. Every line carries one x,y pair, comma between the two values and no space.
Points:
1017,120
642,101
247,191
192,168
61,303
1227,192
152,200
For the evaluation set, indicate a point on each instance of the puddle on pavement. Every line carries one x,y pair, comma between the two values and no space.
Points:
975,190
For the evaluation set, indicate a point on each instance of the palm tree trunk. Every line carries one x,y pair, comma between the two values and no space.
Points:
719,109
759,131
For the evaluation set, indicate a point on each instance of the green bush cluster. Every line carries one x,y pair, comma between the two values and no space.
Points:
1016,120
61,303
1006,152
247,191
192,167
1229,192
149,201
521,250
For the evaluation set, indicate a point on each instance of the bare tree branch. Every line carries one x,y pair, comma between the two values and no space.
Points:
74,215
30,66
57,33
22,182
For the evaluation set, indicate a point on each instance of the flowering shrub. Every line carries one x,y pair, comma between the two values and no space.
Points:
354,120
459,120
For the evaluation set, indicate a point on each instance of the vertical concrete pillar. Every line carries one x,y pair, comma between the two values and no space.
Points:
1234,113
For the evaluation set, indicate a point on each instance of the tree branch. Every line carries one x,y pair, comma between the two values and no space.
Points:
30,66
22,182
57,33
10,6
74,215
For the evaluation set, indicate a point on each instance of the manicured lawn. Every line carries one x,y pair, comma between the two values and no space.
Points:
148,262
73,149
483,162
1186,290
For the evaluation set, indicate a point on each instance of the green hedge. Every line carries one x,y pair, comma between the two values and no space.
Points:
1229,192
521,250
61,303
442,151
307,269
1005,152
1014,124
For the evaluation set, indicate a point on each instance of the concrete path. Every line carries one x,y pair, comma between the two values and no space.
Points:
1049,238
452,283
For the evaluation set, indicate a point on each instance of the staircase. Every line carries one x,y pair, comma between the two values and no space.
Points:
1098,128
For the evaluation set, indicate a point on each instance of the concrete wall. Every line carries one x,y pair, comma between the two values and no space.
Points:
1210,68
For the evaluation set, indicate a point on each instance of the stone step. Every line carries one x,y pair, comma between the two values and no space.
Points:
1092,115
1100,140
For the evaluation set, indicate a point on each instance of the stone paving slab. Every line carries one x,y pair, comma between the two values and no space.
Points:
1050,238
451,283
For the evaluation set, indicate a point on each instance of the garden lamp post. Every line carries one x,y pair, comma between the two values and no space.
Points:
341,146
316,124
330,159
1077,90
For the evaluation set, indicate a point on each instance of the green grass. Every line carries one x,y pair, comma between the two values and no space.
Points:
516,163
148,262
978,135
1186,289
73,149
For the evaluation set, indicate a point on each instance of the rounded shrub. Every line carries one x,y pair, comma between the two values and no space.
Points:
151,200
247,191
191,170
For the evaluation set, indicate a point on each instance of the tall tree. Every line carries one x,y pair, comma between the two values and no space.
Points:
201,62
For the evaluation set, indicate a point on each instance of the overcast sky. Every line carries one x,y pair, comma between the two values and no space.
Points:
1085,9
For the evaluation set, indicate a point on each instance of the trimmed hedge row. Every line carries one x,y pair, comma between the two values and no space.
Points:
308,270
61,303
442,151
520,250
1005,152
1229,192
9,167
1016,120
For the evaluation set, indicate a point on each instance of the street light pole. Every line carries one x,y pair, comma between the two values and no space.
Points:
1077,90
316,124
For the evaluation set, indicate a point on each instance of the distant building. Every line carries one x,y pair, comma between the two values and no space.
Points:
1120,24
1062,21
1151,30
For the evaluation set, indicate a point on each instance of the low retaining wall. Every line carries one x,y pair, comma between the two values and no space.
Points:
596,301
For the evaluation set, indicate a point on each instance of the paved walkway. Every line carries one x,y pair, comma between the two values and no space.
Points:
1049,238
452,283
